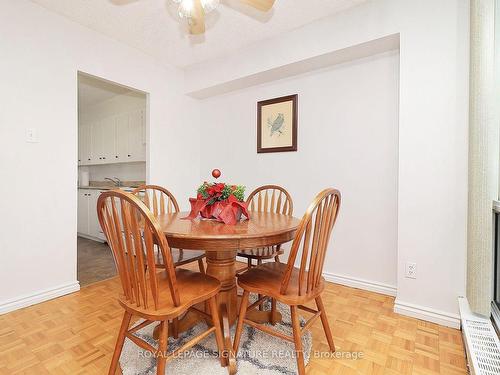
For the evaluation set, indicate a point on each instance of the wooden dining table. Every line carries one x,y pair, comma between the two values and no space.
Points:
221,243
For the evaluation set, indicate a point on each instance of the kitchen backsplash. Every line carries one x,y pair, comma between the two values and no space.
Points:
124,183
125,171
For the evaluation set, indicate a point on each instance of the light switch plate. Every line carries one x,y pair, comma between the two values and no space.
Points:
32,135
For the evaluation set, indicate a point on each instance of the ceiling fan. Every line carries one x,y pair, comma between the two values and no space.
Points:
194,11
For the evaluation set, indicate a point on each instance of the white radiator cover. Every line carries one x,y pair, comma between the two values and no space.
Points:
481,341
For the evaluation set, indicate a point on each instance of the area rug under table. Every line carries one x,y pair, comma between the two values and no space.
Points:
259,352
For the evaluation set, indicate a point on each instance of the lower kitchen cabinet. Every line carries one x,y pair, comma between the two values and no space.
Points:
88,222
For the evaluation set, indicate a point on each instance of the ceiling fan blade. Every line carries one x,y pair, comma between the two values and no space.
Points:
262,5
197,20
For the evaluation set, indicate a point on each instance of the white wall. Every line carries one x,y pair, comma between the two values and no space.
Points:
348,139
41,55
433,128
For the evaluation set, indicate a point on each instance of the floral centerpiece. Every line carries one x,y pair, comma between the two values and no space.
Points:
219,201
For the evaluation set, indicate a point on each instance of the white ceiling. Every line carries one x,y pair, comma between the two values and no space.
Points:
153,26
92,91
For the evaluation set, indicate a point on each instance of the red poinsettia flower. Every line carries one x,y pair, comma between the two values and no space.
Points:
219,187
216,190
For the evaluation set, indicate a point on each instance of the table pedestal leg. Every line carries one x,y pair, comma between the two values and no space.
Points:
222,265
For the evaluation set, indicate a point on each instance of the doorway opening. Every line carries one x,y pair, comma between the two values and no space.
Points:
112,144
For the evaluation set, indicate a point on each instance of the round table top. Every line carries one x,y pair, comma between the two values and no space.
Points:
263,229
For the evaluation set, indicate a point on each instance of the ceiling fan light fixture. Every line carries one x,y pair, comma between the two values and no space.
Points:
186,7
209,5
194,11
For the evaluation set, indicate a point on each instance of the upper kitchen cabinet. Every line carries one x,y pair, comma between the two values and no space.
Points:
96,142
84,145
114,139
122,137
130,136
108,140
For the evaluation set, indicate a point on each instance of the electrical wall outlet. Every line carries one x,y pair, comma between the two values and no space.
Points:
411,270
32,135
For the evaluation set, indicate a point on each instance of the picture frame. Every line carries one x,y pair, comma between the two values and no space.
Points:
277,123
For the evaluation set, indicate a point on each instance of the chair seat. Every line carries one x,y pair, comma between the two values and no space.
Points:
266,280
193,287
181,257
268,252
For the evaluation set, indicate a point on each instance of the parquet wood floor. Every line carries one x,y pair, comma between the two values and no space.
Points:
76,334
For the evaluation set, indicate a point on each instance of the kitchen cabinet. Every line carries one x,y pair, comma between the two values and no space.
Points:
88,223
84,142
83,212
115,139
108,134
94,226
80,144
96,142
122,137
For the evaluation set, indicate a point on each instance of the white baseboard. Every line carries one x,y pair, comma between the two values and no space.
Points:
425,313
89,237
41,296
354,282
400,307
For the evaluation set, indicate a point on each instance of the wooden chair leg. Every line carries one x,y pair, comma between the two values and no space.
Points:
119,342
161,355
297,340
175,328
214,310
201,266
277,259
324,321
274,319
239,327
249,263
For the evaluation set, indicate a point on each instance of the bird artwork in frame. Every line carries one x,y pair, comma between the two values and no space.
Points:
277,124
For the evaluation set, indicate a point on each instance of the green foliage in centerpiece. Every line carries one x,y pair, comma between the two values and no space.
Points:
214,192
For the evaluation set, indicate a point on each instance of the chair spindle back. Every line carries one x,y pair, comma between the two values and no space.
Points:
158,199
311,241
132,230
270,198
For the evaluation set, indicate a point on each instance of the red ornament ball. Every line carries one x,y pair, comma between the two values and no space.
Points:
216,173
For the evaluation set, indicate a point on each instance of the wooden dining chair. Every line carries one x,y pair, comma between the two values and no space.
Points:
295,286
267,198
156,295
161,201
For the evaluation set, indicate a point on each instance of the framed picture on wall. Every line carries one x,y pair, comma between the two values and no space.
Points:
277,124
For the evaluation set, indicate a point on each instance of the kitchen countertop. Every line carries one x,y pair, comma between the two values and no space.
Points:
105,185
126,188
